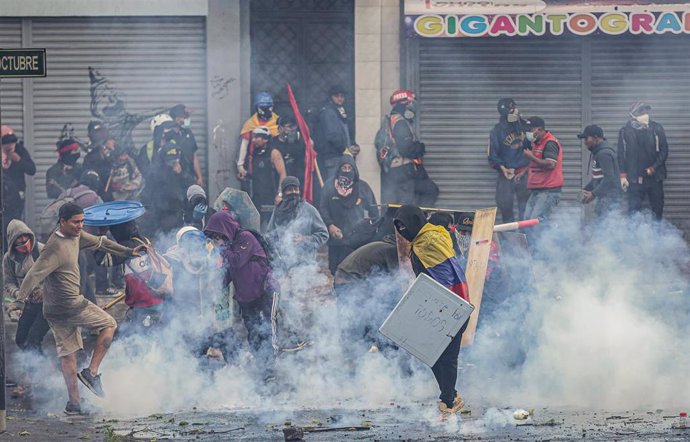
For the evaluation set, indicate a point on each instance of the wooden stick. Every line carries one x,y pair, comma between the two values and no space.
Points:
114,301
318,173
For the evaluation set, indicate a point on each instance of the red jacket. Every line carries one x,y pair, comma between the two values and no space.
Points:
540,177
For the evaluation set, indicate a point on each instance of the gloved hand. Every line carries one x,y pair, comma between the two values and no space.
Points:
624,184
199,212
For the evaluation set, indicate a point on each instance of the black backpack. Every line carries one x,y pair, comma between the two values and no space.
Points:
272,255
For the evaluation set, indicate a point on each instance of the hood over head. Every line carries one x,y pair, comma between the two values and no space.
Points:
413,220
347,159
125,231
17,228
222,223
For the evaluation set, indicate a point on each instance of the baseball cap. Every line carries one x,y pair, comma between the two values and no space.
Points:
591,131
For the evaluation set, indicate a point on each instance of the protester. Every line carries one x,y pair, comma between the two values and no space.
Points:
404,178
144,155
545,177
126,180
375,258
642,154
65,309
65,173
345,200
334,132
296,224
256,291
187,143
290,144
266,171
99,157
604,188
197,210
432,253
445,220
22,254
263,116
199,294
164,194
16,163
507,142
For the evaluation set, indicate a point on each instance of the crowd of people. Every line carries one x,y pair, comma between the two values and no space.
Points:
214,261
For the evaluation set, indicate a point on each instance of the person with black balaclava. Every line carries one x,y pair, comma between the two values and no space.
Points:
185,139
431,253
297,223
263,116
197,211
290,144
507,141
642,154
404,178
164,194
345,200
266,171
65,173
99,157
16,163
334,134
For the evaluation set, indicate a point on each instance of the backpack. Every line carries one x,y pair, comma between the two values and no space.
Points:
148,278
49,216
363,232
272,255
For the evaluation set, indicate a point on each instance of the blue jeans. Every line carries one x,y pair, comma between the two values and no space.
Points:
541,203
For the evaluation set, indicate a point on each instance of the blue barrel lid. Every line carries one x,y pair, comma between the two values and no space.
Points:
112,212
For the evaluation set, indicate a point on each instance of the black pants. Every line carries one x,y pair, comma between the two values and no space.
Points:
336,255
259,319
446,369
31,328
506,192
652,189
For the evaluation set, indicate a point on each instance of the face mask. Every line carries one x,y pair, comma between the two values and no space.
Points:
291,136
346,179
529,136
514,115
70,159
291,198
265,112
404,231
643,119
408,114
24,247
187,122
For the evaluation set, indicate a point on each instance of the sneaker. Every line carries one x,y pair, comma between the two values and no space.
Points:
80,409
458,403
93,383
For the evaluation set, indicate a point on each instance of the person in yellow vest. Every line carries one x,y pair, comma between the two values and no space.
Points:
264,116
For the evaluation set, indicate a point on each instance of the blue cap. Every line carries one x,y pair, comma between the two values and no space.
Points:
112,213
263,99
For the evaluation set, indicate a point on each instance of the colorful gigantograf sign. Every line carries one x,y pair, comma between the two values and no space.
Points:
426,18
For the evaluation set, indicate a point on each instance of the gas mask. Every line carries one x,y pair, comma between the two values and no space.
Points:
643,119
513,115
23,247
264,112
410,111
70,159
346,179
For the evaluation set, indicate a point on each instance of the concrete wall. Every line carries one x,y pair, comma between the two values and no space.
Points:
377,75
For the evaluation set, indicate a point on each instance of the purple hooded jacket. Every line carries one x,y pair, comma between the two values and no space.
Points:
251,277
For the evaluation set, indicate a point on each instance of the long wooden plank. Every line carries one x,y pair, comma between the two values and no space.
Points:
477,261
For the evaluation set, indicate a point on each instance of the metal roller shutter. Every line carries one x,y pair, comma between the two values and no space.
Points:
653,69
460,81
151,62
11,88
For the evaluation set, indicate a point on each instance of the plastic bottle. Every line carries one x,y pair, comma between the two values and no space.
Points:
683,420
147,321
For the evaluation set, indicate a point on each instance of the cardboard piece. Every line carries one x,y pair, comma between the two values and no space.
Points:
426,319
477,261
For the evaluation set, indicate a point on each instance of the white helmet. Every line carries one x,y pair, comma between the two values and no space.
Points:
158,120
